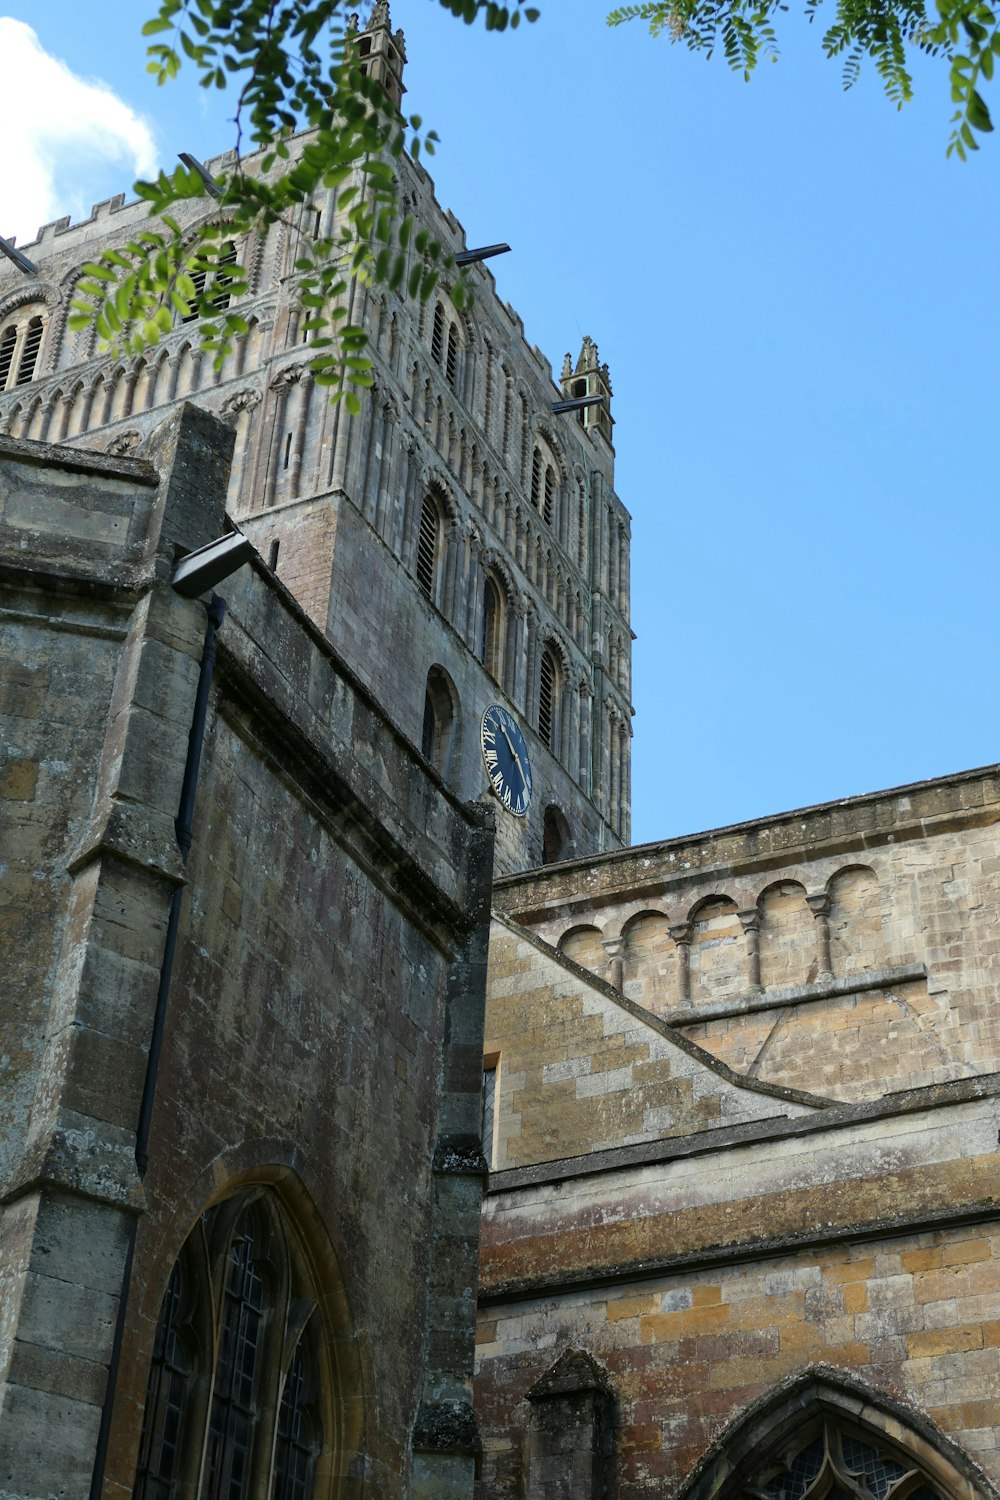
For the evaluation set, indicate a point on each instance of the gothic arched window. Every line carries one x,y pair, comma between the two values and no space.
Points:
21,337
428,545
827,1460
252,1424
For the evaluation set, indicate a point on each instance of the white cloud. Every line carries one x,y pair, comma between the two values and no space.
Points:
60,133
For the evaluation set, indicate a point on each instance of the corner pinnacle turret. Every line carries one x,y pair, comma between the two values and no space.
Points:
589,378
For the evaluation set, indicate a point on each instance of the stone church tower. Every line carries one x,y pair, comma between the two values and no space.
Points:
460,543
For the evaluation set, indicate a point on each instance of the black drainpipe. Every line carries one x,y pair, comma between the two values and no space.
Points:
182,827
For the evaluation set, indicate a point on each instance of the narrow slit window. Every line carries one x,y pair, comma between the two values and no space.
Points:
489,1110
288,449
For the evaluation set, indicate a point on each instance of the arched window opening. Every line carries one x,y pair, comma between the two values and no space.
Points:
548,683
536,479
437,336
29,351
20,346
491,629
555,836
438,732
220,279
254,1424
428,545
829,1461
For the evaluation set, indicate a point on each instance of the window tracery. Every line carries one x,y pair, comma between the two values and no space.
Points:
832,1463
220,1432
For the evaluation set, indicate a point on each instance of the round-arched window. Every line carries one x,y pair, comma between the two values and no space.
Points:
21,337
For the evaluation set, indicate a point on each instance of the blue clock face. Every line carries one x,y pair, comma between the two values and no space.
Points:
506,757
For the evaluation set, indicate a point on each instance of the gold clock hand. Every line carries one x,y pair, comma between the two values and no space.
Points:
517,758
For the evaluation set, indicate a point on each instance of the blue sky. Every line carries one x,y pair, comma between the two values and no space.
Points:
792,286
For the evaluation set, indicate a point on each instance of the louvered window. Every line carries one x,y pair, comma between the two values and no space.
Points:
221,280
451,367
536,479
199,278
29,351
550,486
8,339
20,345
223,277
437,336
427,545
548,678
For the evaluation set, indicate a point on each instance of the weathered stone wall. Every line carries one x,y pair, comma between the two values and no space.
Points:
914,1318
745,1146
323,1036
